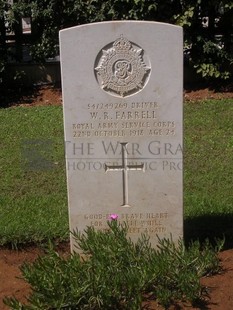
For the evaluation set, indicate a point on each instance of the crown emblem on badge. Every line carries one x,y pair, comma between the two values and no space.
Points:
122,45
121,70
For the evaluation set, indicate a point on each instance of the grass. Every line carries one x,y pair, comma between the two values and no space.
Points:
208,172
33,203
208,157
33,199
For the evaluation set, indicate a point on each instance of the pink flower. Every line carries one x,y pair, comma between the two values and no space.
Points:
113,217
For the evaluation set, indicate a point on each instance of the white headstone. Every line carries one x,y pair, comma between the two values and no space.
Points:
122,93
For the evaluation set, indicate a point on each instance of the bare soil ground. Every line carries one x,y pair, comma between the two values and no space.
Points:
50,95
219,287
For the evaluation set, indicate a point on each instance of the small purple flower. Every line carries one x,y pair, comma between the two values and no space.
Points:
113,217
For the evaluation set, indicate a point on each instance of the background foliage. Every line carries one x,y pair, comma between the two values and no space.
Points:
207,27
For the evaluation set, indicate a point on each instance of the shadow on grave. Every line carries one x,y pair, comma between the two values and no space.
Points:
210,227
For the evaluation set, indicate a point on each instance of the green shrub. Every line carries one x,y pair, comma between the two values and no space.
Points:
116,273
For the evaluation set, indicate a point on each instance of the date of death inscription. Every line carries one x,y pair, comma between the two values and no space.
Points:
123,119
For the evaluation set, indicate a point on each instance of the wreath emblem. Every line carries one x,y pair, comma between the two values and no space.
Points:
121,70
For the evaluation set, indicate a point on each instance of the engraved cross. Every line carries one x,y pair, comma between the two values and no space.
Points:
124,168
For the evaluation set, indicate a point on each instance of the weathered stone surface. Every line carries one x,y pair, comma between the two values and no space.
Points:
122,94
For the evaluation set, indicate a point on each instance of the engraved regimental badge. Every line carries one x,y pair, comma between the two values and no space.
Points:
121,69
